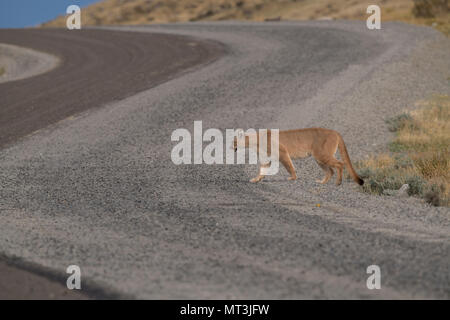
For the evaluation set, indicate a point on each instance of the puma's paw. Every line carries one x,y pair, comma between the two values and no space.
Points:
320,181
292,178
255,180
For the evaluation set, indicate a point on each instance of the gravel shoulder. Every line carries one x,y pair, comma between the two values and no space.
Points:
106,196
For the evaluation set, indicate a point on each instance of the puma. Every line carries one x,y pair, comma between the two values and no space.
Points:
321,143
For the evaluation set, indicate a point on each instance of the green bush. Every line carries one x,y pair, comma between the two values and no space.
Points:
377,181
401,121
433,196
416,185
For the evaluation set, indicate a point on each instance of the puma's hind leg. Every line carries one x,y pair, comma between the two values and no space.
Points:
339,166
328,173
331,162
326,157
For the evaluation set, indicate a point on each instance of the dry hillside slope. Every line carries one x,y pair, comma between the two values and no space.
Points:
110,12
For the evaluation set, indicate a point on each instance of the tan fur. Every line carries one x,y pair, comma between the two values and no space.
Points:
321,143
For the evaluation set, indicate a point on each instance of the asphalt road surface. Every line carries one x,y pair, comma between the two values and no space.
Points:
96,67
99,190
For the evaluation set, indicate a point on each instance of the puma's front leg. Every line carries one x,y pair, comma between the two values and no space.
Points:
257,179
261,174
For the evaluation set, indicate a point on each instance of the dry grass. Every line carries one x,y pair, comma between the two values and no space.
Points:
420,154
132,12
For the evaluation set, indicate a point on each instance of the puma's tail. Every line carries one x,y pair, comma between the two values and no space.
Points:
346,158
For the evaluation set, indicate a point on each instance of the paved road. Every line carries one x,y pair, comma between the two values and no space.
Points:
97,67
101,191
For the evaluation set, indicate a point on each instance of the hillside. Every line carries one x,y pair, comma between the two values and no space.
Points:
109,12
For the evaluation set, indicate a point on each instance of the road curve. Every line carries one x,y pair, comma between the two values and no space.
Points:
21,63
97,67
101,191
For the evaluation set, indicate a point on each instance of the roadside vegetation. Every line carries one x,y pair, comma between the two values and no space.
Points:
2,71
434,13
418,156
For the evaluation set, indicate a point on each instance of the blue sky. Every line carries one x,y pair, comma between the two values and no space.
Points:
28,13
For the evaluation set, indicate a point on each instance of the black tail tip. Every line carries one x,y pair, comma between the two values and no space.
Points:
360,181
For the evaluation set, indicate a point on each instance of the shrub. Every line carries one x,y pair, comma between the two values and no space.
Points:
430,8
434,196
416,185
420,155
399,122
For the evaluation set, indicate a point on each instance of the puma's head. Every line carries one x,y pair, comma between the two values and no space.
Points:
240,142
245,140
236,144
